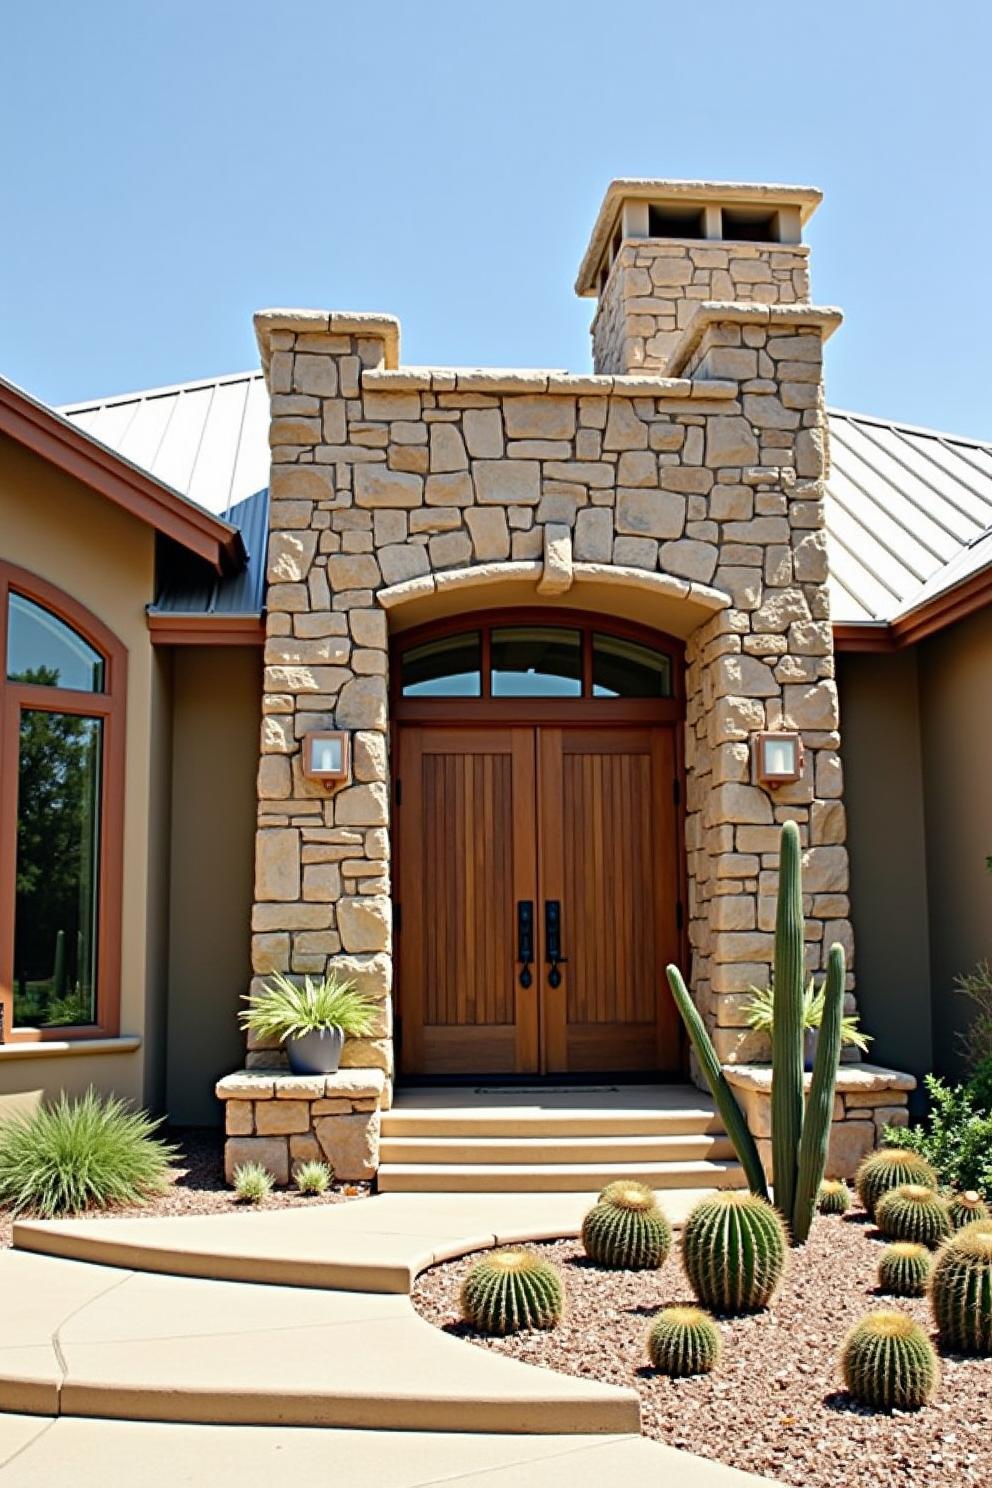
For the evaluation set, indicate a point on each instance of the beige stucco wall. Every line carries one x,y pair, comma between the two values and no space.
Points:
104,558
883,785
217,702
956,726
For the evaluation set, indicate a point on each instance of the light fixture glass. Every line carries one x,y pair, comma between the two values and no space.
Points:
778,758
326,757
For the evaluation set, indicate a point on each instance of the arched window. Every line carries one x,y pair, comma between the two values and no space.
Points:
62,691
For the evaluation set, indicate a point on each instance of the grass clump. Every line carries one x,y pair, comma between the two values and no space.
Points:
252,1183
313,1177
286,1009
87,1153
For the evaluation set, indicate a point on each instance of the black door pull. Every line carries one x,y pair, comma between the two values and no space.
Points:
552,941
525,939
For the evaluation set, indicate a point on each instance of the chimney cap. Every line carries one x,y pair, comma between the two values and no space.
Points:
662,192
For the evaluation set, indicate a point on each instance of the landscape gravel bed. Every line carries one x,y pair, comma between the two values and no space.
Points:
197,1186
775,1406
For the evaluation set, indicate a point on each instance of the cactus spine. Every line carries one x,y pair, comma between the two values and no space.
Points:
904,1269
627,1231
965,1208
787,1024
733,1251
913,1212
888,1362
683,1341
890,1167
510,1290
724,1098
834,1197
961,1291
815,1137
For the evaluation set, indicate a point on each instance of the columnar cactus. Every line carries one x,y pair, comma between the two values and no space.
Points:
819,1112
733,1251
834,1197
512,1289
961,1291
787,1025
888,1362
913,1212
904,1269
965,1208
683,1341
627,1231
890,1167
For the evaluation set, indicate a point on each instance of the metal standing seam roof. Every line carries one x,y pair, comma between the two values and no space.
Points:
908,510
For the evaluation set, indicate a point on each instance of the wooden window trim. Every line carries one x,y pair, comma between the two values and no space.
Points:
110,707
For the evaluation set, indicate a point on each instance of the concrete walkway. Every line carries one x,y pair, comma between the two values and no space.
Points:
210,1349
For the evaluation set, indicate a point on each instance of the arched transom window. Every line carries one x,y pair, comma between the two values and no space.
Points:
61,799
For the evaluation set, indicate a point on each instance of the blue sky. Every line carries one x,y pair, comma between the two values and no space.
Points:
170,168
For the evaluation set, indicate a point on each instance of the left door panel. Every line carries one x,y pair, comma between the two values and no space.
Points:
468,859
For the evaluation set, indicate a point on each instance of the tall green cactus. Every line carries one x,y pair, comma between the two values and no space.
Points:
787,1025
815,1137
724,1098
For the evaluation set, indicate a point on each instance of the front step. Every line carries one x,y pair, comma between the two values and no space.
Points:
537,1177
529,1151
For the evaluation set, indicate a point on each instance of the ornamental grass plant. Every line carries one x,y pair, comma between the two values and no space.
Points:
88,1153
286,1009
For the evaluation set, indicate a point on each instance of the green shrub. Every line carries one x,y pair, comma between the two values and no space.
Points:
955,1138
287,1009
252,1183
313,1177
888,1362
976,986
80,1154
979,1086
683,1341
510,1290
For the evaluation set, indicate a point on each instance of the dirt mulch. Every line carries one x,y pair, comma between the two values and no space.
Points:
198,1186
775,1406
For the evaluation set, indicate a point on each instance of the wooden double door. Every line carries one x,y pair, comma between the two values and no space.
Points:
538,895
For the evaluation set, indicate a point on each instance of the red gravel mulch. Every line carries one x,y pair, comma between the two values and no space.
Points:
198,1186
775,1405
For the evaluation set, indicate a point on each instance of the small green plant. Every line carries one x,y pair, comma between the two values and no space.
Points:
976,1040
961,1291
834,1197
683,1341
913,1212
510,1290
313,1177
91,1152
733,1251
888,1362
890,1168
287,1009
955,1138
252,1183
761,1013
626,1231
904,1269
965,1208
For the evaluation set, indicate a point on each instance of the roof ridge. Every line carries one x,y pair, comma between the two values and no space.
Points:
199,384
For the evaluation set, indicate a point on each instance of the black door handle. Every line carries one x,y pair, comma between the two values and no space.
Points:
525,939
552,941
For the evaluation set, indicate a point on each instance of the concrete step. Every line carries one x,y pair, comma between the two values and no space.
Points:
470,1148
404,1121
410,1177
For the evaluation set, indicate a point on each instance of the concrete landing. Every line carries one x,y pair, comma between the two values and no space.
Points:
117,1454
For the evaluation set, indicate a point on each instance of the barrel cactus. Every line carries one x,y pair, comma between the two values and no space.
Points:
627,1231
961,1291
904,1269
834,1197
913,1212
888,1362
890,1167
965,1208
683,1340
733,1251
626,1186
510,1290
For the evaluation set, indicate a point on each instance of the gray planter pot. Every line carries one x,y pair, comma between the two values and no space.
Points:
316,1053
810,1041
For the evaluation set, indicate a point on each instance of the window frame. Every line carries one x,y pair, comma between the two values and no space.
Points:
110,707
586,709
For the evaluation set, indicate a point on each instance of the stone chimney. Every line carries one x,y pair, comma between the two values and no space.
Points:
659,248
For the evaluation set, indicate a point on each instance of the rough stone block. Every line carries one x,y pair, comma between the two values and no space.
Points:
350,1144
271,1153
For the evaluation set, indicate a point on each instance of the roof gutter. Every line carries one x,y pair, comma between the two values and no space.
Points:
954,603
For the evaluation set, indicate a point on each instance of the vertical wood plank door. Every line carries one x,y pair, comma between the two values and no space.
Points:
468,855
608,858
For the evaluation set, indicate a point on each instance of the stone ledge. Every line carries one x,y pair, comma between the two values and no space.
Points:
850,1078
345,1084
737,312
334,322
69,1048
536,380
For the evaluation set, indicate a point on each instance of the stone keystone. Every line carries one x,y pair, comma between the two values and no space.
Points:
557,576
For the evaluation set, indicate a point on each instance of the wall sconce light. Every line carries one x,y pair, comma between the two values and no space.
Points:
779,758
327,757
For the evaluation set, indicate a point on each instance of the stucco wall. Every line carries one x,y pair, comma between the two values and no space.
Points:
217,701
956,724
883,787
104,558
